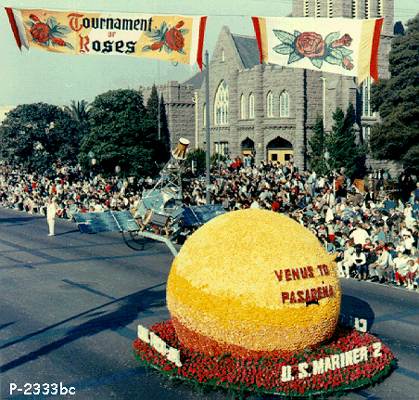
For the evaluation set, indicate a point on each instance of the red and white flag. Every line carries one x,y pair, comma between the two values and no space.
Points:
339,45
174,38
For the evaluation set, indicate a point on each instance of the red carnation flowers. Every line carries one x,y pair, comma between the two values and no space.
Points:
262,374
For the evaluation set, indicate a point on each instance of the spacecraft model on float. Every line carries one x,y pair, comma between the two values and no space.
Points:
160,215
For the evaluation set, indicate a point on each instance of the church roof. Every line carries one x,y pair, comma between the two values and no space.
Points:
196,80
247,48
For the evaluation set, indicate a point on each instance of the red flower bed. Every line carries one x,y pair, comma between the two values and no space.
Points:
263,374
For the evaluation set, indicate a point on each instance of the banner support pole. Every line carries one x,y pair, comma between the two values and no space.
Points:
207,130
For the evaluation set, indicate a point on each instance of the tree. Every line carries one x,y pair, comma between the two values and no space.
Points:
396,137
164,128
317,145
199,156
119,134
79,111
342,147
398,29
153,110
39,135
157,120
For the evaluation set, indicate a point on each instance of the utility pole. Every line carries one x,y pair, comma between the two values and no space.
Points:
323,79
208,138
158,117
218,153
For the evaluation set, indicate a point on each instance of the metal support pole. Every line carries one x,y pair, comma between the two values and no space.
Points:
208,121
219,153
324,102
195,100
158,117
159,238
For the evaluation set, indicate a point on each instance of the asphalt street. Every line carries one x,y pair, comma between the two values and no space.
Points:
70,304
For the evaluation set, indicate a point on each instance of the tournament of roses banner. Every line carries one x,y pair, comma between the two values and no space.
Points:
172,38
339,45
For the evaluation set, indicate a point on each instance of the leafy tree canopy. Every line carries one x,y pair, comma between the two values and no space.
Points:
120,134
153,107
79,111
342,147
38,135
317,150
164,129
199,156
397,101
157,120
398,28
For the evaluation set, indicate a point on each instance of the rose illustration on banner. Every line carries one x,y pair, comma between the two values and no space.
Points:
167,38
48,33
331,49
310,44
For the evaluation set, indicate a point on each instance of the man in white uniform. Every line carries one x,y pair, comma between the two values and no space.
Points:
51,212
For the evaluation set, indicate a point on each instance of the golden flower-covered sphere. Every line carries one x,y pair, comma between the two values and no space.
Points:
253,281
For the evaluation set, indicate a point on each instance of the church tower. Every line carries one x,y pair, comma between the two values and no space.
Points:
343,90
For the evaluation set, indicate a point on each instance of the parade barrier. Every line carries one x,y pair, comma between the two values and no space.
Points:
255,301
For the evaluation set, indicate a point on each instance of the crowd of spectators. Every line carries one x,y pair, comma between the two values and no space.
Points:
374,236
71,190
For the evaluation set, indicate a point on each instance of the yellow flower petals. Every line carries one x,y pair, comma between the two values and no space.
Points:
226,283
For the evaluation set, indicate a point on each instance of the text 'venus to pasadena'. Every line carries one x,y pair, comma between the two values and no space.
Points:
311,295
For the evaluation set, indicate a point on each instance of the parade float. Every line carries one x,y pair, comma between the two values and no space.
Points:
254,301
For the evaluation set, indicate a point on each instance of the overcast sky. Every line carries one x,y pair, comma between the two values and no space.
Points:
41,76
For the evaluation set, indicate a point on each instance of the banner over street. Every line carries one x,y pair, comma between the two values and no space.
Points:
343,46
173,38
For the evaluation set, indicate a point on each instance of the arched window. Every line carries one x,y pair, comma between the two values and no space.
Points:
270,105
284,104
242,107
251,106
223,57
221,105
204,115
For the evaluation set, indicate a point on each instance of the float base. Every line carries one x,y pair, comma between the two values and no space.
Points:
275,373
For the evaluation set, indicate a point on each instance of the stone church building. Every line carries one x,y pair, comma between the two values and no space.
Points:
267,109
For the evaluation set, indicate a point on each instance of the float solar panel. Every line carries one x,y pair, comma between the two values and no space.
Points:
126,221
199,215
96,222
105,222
